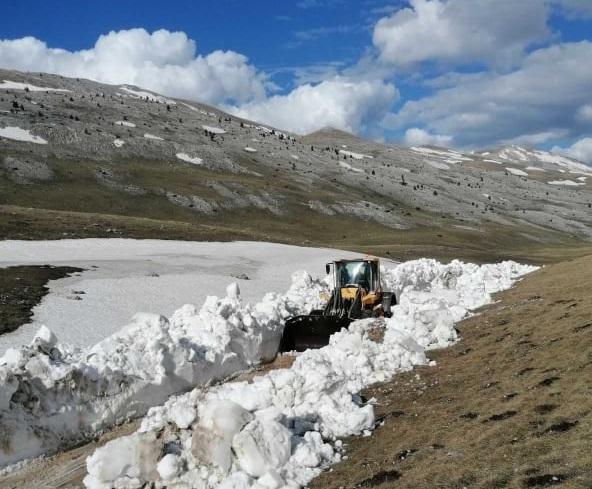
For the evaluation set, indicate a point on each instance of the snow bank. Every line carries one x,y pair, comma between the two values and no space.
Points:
281,429
18,134
52,395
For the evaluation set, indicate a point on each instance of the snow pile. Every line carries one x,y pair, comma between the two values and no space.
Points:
52,395
18,134
281,429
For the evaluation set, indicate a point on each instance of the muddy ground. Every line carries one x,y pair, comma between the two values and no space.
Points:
22,288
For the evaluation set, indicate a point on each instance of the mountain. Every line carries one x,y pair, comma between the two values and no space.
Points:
80,158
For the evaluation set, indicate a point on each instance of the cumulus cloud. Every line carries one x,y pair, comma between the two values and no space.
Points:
340,103
542,98
162,61
580,150
419,137
490,31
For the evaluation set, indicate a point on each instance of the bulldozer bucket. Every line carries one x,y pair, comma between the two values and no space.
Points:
310,331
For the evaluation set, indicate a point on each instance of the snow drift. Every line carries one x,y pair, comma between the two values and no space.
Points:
282,428
53,395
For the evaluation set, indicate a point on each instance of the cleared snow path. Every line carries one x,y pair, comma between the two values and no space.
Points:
281,429
124,276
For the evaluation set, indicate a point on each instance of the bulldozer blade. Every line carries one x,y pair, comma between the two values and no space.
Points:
310,331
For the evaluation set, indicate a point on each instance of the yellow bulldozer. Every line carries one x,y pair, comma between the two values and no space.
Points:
357,294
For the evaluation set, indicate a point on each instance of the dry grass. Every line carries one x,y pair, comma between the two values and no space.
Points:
510,406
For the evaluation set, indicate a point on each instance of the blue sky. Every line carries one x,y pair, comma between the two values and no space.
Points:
464,73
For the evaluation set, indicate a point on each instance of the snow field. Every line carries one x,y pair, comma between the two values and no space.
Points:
281,429
19,134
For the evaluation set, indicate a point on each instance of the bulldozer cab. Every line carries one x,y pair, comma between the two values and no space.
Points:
364,273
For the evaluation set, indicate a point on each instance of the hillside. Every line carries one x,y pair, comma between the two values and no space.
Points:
79,158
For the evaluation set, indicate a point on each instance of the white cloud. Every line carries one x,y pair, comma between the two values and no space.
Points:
162,61
339,103
490,31
580,150
543,96
419,137
584,113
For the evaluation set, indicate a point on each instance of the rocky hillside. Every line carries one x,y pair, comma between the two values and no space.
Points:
72,148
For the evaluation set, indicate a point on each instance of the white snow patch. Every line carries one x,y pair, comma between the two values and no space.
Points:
150,96
295,157
189,159
152,136
118,143
281,429
568,183
18,134
11,85
215,130
438,165
355,156
349,167
248,149
535,168
493,161
516,171
125,123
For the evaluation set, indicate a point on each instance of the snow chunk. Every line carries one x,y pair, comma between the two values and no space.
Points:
517,172
18,134
10,85
189,159
118,143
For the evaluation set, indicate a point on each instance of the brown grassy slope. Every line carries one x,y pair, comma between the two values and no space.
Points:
510,406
